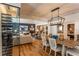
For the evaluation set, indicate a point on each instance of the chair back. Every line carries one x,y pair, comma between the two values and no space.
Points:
52,43
44,42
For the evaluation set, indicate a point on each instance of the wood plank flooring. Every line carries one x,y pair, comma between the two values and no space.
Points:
30,49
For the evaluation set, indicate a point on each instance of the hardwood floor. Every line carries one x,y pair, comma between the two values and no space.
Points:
31,49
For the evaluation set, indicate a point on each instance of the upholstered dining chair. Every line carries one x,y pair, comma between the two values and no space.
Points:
53,46
72,52
44,42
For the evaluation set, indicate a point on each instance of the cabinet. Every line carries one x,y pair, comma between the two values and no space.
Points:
6,34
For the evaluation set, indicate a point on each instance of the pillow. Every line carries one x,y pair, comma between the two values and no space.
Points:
55,36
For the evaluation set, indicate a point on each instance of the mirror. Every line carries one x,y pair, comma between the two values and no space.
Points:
60,28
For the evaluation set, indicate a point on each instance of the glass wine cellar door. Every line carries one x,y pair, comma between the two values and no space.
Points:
9,32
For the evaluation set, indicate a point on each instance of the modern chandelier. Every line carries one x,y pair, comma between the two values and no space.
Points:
58,20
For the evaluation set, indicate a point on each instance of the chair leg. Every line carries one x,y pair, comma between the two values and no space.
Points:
50,52
63,50
66,54
55,53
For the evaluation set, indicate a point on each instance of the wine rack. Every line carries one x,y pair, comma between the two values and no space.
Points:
6,29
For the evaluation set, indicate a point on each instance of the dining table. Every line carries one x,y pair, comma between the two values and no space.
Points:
66,44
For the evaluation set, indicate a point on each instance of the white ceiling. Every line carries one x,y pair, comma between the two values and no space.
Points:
43,10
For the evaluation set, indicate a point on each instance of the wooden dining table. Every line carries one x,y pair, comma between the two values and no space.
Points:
67,44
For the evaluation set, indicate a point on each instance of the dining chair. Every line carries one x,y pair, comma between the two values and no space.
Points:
72,52
53,46
44,42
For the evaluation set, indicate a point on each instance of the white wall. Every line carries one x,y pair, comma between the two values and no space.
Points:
37,22
72,19
53,30
26,21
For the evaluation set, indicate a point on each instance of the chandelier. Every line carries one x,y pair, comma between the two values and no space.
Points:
58,20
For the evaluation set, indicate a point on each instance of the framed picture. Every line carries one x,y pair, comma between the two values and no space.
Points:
70,28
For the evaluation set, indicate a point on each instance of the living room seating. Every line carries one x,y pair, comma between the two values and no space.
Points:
26,39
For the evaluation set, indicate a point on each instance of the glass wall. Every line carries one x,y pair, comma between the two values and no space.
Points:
15,20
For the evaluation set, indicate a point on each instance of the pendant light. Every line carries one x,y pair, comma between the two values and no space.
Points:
58,19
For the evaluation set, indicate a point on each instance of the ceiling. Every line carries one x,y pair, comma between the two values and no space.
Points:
43,10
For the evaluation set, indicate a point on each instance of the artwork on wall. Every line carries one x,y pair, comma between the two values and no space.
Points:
31,28
70,31
70,28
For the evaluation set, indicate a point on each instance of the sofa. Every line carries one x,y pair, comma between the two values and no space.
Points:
23,39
